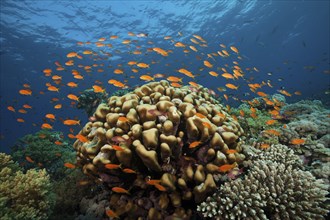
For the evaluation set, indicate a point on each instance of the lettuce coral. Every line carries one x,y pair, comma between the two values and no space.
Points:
23,195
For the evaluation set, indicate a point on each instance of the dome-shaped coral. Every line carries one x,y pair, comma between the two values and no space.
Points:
163,145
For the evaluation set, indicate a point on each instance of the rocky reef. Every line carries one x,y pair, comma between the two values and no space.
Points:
157,148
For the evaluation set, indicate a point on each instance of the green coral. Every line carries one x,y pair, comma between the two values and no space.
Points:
41,148
24,195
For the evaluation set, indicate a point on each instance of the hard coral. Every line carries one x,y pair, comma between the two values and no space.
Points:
24,196
179,136
274,188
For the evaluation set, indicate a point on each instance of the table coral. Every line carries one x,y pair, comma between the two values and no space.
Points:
177,136
24,195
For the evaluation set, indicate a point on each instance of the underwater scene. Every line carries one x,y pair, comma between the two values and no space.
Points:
164,110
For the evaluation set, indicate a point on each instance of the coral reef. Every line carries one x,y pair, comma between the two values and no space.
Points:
24,195
46,149
272,189
163,145
89,100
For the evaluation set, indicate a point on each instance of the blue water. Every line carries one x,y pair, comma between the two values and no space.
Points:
289,39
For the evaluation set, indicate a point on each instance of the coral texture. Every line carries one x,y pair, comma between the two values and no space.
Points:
23,196
178,136
270,190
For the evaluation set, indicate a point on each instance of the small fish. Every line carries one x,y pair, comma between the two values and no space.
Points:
127,170
231,151
50,116
25,92
46,126
98,89
142,65
234,49
213,73
110,213
174,79
73,97
262,94
58,143
120,190
152,182
160,187
271,122
207,64
231,86
225,168
112,166
297,141
117,148
146,78
81,138
264,146
21,120
29,159
194,144
27,106
58,106
71,122
69,165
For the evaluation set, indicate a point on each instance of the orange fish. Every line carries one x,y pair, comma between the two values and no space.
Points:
264,146
27,106
297,141
71,122
29,159
194,144
271,122
146,78
234,49
118,71
225,168
58,143
241,112
58,106
73,97
71,136
127,170
112,166
117,148
208,64
110,213
160,51
69,165
50,116
142,65
72,84
25,92
160,187
20,120
53,89
81,138
174,79
186,72
227,76
152,182
23,111
231,86
231,151
273,132
262,94
98,89
46,126
213,73
120,190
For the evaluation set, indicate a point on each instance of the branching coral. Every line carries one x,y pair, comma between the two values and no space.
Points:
44,152
176,137
269,191
24,196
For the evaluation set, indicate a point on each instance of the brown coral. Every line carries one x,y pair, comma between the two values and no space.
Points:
154,126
